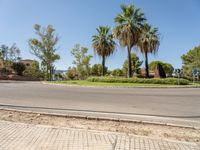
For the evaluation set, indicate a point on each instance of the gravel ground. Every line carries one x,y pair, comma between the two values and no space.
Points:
149,130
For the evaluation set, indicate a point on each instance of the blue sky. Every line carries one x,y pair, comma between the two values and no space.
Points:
76,21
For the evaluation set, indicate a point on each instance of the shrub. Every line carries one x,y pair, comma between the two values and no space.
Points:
96,70
18,68
71,73
6,71
170,81
117,72
33,71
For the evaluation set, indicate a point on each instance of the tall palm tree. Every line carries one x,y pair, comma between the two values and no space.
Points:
103,44
148,43
127,30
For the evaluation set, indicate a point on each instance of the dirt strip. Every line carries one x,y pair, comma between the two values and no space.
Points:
149,130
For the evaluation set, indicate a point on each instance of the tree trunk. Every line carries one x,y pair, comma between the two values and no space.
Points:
146,65
50,73
103,65
129,63
47,73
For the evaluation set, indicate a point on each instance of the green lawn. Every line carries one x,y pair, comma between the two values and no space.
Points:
103,84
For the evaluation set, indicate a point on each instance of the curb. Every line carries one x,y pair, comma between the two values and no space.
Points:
111,87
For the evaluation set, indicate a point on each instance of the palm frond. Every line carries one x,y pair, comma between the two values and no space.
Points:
128,24
103,42
149,40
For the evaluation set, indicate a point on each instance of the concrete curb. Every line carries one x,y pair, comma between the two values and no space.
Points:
72,85
101,118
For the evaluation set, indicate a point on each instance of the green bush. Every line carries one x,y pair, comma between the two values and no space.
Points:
19,68
117,72
33,71
71,73
170,81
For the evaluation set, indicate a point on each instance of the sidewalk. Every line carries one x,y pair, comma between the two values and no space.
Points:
20,136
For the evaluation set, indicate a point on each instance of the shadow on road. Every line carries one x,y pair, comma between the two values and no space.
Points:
92,111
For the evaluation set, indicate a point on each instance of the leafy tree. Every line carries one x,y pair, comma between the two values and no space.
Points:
148,43
8,55
168,68
128,28
96,70
135,64
4,54
45,48
191,61
14,53
103,44
18,67
82,61
117,72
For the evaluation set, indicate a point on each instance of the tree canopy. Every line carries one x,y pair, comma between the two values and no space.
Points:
9,53
148,43
117,72
135,64
96,70
168,68
45,47
81,60
128,29
103,44
191,61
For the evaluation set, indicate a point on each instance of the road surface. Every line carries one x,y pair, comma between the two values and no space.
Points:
183,103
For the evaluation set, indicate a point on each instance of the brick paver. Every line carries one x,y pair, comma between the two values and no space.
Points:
19,136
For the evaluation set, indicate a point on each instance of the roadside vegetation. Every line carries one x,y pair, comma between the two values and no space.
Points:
169,81
89,83
45,48
131,31
103,44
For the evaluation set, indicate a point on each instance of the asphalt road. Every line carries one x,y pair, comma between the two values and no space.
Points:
162,102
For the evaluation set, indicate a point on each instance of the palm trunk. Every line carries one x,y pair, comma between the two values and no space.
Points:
129,63
103,65
146,65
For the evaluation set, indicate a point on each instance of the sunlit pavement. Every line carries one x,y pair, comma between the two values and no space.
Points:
146,104
18,136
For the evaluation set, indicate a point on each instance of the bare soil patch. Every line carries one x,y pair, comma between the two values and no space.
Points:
150,130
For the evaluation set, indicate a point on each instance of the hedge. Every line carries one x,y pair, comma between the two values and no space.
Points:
170,81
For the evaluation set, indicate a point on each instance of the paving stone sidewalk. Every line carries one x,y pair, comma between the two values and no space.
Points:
20,136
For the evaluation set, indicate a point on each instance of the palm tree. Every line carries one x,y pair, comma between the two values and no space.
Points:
103,44
148,43
127,30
